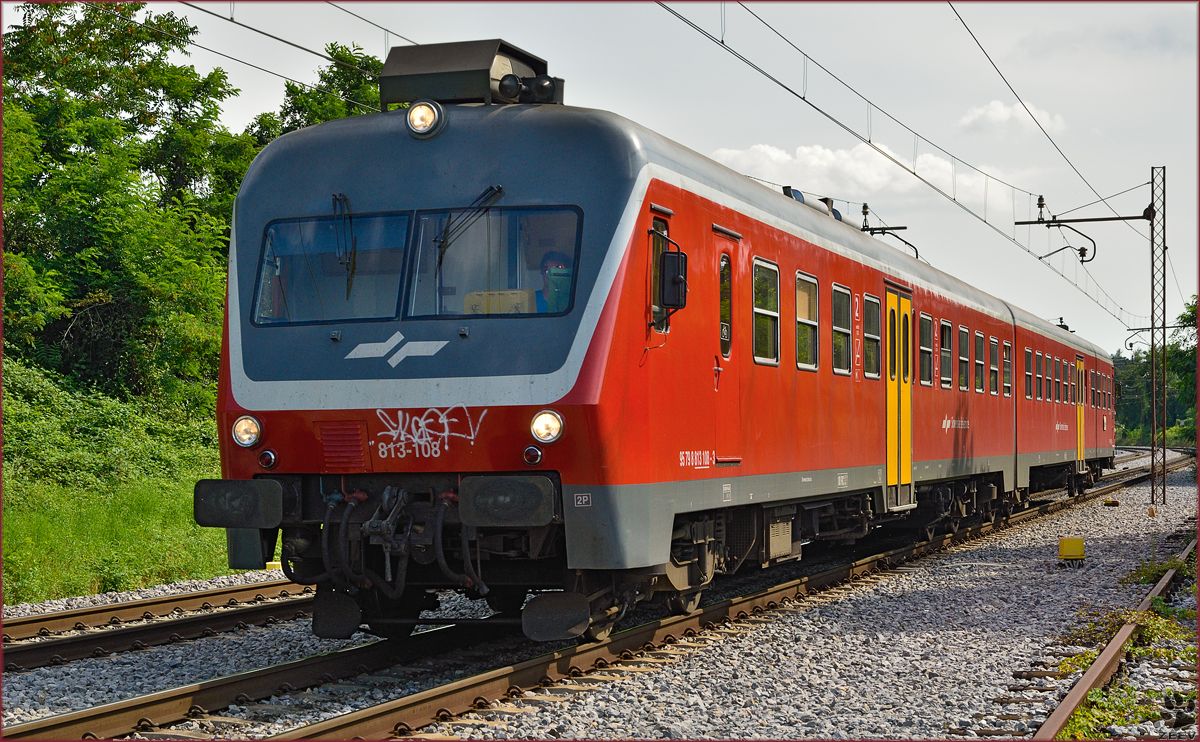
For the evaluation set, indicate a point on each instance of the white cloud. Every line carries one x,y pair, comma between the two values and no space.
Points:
840,173
996,116
862,174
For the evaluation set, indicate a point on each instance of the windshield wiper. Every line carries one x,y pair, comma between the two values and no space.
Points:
347,243
461,223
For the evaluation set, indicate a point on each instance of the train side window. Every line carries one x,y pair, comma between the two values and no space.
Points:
1066,381
964,362
994,366
726,314
871,334
1057,380
658,315
766,313
1037,370
892,344
979,361
1028,373
905,347
841,330
1008,369
947,351
1075,385
925,344
1111,388
807,325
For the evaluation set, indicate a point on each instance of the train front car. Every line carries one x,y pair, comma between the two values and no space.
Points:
412,300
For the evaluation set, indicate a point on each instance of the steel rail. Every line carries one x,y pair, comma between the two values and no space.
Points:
177,704
1107,663
45,624
32,653
157,710
401,716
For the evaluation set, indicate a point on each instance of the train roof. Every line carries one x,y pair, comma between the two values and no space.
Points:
592,130
689,162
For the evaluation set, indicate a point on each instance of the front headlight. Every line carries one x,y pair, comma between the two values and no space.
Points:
246,431
547,426
424,118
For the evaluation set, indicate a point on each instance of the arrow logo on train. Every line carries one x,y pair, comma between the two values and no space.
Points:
379,350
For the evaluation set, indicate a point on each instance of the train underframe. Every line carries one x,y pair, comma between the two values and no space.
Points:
380,547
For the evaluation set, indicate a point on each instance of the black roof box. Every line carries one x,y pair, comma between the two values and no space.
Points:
455,72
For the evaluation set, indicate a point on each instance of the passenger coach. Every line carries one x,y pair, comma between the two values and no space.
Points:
494,343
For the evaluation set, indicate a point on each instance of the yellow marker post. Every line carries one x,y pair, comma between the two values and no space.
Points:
1070,548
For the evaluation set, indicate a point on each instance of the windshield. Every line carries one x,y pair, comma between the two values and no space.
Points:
331,268
505,262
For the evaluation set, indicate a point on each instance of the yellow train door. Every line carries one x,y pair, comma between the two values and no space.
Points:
1079,392
899,400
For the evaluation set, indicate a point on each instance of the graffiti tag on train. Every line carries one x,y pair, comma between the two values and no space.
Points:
426,435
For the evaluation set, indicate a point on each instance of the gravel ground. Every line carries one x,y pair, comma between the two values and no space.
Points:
889,660
901,659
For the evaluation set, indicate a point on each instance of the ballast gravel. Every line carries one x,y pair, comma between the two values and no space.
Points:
913,656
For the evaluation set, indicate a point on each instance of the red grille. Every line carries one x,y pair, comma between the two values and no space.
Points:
343,447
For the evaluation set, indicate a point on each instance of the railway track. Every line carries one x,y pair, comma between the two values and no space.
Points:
63,636
60,637
634,650
637,649
1109,659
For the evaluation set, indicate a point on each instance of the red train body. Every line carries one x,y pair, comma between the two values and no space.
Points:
815,386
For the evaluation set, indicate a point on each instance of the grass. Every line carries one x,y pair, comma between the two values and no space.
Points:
1118,706
140,534
98,492
1148,573
1167,634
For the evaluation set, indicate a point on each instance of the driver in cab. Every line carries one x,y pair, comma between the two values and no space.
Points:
555,293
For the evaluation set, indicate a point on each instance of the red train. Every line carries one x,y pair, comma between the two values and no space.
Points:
533,348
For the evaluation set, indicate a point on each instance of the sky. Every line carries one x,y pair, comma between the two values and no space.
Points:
1113,84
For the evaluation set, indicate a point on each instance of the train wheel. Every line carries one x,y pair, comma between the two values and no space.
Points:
681,604
506,600
376,606
598,632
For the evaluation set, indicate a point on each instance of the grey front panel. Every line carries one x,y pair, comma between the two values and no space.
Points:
383,170
629,526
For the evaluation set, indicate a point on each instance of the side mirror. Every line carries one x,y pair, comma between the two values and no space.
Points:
672,280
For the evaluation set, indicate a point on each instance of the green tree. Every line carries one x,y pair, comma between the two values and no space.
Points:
113,257
354,76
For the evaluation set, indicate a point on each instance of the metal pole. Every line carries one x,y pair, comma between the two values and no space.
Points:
1158,337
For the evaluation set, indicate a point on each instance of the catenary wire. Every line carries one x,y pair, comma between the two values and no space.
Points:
727,47
1038,123
877,108
373,23
101,8
314,52
1093,203
913,171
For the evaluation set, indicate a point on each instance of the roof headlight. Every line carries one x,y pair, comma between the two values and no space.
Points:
425,118
547,426
246,431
